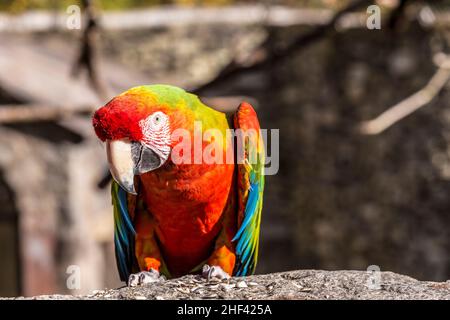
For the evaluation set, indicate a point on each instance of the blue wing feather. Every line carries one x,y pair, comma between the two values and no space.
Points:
247,236
124,232
250,176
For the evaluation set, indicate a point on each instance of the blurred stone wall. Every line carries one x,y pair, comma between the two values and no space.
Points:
185,56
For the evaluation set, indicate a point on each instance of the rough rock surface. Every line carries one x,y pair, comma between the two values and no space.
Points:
304,284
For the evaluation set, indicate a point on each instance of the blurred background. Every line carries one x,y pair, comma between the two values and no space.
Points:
363,113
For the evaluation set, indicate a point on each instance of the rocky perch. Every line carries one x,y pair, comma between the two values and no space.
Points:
303,284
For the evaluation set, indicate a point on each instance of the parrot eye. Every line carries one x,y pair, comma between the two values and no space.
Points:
155,125
158,119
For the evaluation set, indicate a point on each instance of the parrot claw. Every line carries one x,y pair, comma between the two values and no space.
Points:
214,272
144,277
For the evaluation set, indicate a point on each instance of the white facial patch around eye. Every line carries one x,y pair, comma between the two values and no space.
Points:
158,120
156,131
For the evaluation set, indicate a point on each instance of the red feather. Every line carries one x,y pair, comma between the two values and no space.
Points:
119,119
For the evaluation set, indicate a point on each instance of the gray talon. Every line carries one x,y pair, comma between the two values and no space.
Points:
144,277
214,272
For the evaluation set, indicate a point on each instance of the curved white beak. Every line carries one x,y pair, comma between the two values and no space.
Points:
127,159
121,163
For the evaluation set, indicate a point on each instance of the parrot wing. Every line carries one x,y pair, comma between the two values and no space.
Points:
250,185
124,232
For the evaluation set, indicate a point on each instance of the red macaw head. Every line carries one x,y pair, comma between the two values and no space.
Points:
137,127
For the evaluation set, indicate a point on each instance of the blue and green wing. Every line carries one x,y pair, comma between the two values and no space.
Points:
250,185
124,232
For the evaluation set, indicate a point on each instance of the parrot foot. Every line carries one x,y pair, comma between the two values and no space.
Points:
214,272
144,277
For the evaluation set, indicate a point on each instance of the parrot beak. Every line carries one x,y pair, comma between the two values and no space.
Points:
127,159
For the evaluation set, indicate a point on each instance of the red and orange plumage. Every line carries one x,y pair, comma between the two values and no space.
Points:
185,215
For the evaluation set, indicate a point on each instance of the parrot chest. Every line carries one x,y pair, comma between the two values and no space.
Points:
187,204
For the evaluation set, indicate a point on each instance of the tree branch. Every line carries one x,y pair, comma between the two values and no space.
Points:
410,104
258,61
37,112
88,56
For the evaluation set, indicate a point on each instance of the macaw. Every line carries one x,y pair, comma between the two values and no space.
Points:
173,218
